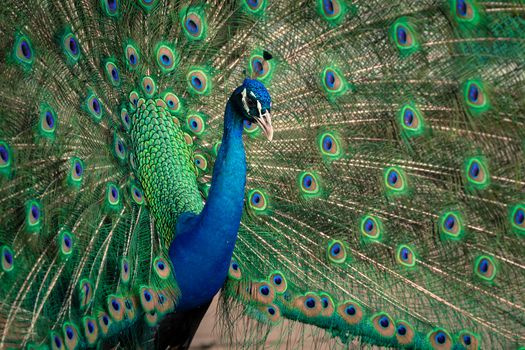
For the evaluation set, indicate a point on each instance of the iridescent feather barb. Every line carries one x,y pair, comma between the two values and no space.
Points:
389,208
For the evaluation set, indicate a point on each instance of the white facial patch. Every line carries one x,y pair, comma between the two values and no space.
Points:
244,101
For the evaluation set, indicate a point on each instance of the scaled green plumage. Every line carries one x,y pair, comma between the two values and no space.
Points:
164,164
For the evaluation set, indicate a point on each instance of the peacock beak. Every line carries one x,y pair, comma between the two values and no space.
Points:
265,122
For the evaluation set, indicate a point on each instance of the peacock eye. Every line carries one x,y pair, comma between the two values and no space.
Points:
251,102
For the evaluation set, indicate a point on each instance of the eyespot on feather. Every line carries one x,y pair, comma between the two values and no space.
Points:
395,180
451,225
411,120
70,46
371,228
201,162
112,196
309,184
162,267
257,201
6,159
476,97
34,216
336,252
272,312
119,148
66,242
254,7
331,10
115,307
160,302
465,12
327,304
125,119
403,34
173,102
147,298
259,67
278,281
262,292
125,270
258,292
166,58
56,341
23,51
199,81
134,100
130,308
440,339
383,325
330,145
48,122
193,22
104,322
70,336
196,123
112,72
333,81
351,312
193,25
463,9
85,289
137,194
405,256
164,304
516,218
148,86
308,304
110,7
469,340
93,106
234,271
76,172
90,327
485,268
404,333
132,56
7,258
477,173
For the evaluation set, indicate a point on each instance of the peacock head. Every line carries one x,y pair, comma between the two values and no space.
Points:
253,102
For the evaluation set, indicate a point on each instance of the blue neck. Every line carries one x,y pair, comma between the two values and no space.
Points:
203,247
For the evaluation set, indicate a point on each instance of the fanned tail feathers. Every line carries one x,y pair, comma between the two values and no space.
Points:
389,209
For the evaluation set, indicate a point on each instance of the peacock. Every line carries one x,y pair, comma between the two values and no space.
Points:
355,167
